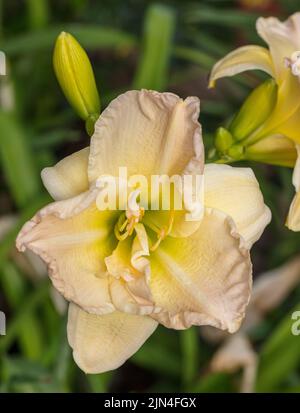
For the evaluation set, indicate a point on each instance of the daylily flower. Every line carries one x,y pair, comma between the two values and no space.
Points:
282,62
126,271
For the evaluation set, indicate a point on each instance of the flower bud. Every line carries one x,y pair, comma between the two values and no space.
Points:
255,110
223,140
236,152
274,150
75,76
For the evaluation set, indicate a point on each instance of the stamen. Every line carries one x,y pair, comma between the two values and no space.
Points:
127,222
121,226
163,232
119,236
171,222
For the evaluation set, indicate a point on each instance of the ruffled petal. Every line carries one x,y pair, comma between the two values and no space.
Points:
129,267
104,342
204,279
242,59
73,237
236,192
283,38
149,133
68,177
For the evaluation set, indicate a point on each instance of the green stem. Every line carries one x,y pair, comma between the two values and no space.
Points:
190,356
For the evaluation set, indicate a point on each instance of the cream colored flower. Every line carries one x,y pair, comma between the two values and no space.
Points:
124,273
282,62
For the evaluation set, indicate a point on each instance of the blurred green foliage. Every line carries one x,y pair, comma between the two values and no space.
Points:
171,46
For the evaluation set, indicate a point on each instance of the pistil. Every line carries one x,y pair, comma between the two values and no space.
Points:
294,63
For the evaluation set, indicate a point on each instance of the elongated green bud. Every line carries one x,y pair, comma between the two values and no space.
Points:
255,110
273,149
75,76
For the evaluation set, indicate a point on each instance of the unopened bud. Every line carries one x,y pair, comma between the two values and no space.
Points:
223,140
75,76
236,152
274,150
255,110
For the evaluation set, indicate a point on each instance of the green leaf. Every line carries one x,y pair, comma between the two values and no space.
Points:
194,56
213,383
153,67
90,36
279,357
223,17
17,160
38,13
29,304
10,238
160,354
30,332
63,357
22,376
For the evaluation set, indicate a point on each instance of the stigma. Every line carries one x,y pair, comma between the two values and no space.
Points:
128,220
294,63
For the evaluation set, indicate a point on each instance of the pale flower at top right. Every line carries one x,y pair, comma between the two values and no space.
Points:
281,61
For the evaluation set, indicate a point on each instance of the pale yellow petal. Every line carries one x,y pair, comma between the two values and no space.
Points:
236,192
104,342
68,177
284,118
132,297
118,263
182,206
293,219
73,237
181,225
149,133
129,267
128,260
140,249
290,125
244,58
204,279
283,38
296,174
